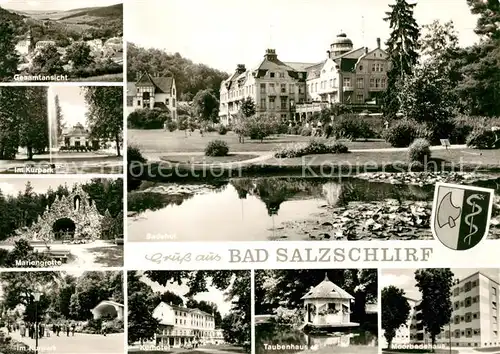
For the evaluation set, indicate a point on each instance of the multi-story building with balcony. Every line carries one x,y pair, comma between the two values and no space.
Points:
296,91
180,326
152,91
474,319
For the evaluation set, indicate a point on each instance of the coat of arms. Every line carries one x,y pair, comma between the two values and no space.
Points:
461,215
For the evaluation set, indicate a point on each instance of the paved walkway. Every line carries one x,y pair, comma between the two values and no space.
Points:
79,344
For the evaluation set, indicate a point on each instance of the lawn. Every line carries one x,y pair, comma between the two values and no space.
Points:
102,78
201,159
209,349
420,351
160,141
108,256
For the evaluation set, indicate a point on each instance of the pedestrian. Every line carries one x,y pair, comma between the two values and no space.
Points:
67,330
165,126
73,326
104,328
386,125
328,130
201,132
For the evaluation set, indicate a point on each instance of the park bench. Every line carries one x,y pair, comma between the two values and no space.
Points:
62,255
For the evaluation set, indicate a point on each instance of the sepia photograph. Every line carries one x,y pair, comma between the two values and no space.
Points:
61,129
202,311
316,311
54,223
56,40
291,129
61,312
440,310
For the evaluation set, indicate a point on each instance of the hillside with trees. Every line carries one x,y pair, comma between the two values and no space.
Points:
190,77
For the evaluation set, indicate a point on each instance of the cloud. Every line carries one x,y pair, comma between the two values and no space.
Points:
8,189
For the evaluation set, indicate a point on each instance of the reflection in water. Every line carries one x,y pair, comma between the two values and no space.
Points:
249,208
296,341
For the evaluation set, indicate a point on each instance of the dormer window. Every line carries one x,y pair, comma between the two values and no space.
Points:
271,74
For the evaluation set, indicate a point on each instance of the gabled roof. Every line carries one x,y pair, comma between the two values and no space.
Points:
300,66
76,130
162,84
109,302
327,290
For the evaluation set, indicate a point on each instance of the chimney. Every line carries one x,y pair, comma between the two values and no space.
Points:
271,55
240,68
328,53
378,43
366,50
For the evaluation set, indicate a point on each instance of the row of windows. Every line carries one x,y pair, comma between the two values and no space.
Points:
147,102
468,287
272,103
270,88
180,321
360,84
150,90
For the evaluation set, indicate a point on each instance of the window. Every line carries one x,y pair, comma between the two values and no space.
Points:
477,332
283,88
457,320
271,74
474,284
475,316
468,301
301,90
284,103
467,286
360,98
372,82
494,305
292,88
461,304
138,102
271,88
468,317
271,103
262,88
456,291
262,103
347,82
283,116
373,68
494,290
361,68
360,83
457,333
377,83
456,305
282,75
167,101
495,320
383,83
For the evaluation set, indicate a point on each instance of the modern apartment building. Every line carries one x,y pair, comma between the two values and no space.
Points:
152,91
291,90
180,326
474,320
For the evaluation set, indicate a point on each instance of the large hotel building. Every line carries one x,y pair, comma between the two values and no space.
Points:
474,320
295,91
180,326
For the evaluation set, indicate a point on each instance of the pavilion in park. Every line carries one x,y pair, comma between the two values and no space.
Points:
328,305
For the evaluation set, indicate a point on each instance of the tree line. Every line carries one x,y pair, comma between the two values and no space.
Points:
23,209
142,301
64,297
190,78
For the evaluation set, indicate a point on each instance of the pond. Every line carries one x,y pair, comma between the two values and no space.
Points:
283,208
268,337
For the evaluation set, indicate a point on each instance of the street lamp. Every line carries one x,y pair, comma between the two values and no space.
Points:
36,299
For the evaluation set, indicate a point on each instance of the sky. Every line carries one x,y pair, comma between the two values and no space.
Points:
224,33
48,5
212,295
405,278
11,186
73,105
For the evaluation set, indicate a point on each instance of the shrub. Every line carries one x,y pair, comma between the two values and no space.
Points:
314,147
222,130
482,138
419,151
171,126
351,127
306,131
293,130
401,133
147,119
217,148
259,127
134,155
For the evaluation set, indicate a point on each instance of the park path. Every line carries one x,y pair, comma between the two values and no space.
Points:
266,155
80,343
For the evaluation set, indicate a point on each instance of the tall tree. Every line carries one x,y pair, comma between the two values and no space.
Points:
34,127
48,61
105,113
488,22
206,106
142,326
79,54
435,286
402,47
395,311
247,107
9,59
12,99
